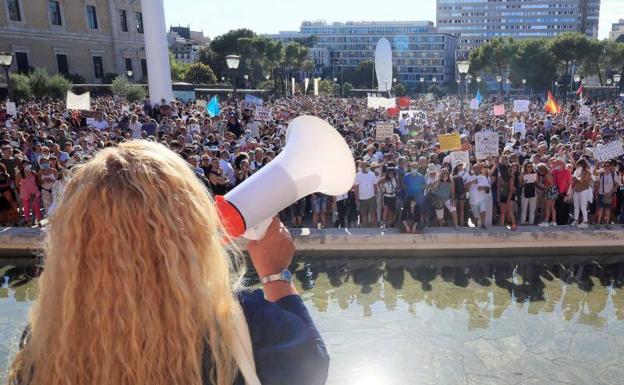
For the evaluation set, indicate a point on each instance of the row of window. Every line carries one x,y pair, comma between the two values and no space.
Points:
54,10
62,63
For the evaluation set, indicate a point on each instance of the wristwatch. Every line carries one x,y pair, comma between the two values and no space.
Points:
284,275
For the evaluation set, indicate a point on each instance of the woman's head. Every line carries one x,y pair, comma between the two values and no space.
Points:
136,282
582,163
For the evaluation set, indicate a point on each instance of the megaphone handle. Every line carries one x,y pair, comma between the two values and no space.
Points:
258,232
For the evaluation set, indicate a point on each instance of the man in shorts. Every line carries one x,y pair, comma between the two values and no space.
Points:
366,193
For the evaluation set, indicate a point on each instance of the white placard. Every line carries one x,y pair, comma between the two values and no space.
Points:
11,108
264,114
460,156
474,104
125,108
79,102
201,103
521,106
91,122
416,116
521,128
530,178
384,130
316,86
486,144
376,102
609,151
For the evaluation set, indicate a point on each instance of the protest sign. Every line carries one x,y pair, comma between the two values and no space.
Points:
499,110
78,102
486,144
416,116
252,101
584,113
201,103
521,106
530,178
429,97
11,108
376,102
521,128
316,86
460,156
384,130
440,107
474,104
609,151
90,122
263,113
449,142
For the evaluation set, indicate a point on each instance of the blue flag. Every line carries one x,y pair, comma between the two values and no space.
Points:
478,96
213,108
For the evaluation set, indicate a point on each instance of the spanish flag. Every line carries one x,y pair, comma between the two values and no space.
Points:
551,105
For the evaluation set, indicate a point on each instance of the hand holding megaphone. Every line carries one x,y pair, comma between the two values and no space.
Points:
316,159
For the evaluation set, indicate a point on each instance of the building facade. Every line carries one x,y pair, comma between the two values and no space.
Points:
418,49
85,37
617,31
478,21
186,44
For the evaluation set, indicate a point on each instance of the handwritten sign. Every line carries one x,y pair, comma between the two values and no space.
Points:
609,151
530,178
460,156
264,114
78,102
11,108
449,142
499,110
519,127
252,101
474,104
486,144
384,130
416,116
521,106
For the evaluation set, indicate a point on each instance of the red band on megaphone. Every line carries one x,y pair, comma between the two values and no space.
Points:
231,218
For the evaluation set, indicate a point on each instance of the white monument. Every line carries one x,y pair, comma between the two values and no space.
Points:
156,51
383,65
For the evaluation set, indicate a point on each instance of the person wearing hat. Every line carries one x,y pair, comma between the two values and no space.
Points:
366,194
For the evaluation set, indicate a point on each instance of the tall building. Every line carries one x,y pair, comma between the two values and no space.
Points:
617,31
418,49
478,21
85,37
186,44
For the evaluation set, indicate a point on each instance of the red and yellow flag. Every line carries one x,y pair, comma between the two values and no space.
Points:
551,105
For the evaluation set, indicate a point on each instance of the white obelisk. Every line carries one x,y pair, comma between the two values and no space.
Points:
156,51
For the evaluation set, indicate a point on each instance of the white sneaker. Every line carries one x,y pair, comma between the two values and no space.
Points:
543,224
553,224
574,224
583,226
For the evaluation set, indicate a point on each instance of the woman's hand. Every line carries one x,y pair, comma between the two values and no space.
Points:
274,252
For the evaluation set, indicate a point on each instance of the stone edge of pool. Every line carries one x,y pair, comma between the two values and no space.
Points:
531,241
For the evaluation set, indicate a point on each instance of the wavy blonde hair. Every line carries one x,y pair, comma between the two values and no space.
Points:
137,282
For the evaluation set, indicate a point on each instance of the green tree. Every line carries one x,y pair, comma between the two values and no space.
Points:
178,69
534,62
615,59
58,87
135,93
326,87
494,57
569,48
21,87
119,86
38,81
399,89
347,89
199,73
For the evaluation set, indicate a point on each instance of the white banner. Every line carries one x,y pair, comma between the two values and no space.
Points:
609,151
78,102
316,86
384,130
376,102
306,82
264,114
474,104
521,106
11,108
521,128
293,86
486,144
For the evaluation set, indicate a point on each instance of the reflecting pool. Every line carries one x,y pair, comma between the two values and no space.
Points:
398,321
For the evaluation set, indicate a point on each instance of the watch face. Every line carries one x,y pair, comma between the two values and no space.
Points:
287,275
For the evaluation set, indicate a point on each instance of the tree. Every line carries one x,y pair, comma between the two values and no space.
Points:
326,87
58,87
135,93
199,73
568,48
595,60
494,57
399,89
615,59
347,89
534,62
21,87
178,69
38,81
119,86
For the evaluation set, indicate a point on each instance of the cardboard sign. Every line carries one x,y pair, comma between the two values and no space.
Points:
11,108
264,114
521,106
521,128
384,130
449,142
486,144
78,102
609,151
499,110
460,156
474,104
416,116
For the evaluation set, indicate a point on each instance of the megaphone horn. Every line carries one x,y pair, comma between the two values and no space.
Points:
316,159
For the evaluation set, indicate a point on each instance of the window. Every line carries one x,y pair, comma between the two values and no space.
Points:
123,20
144,68
21,59
61,63
14,10
55,12
91,17
98,67
139,20
128,64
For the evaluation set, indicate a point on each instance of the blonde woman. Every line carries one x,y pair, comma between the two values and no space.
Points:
137,287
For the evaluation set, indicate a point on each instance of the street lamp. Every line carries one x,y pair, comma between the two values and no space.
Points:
616,79
434,79
478,79
6,60
508,83
267,77
499,80
422,81
462,68
129,74
232,62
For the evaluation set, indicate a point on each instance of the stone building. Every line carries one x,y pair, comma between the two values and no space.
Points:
85,37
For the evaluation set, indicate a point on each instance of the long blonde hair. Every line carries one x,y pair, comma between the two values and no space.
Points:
137,282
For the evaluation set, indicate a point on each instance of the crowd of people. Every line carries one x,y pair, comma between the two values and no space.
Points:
547,175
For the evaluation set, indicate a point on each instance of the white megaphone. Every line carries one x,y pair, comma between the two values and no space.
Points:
316,159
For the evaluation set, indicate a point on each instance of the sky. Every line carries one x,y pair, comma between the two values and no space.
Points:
270,16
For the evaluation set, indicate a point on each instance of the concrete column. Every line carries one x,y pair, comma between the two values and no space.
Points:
156,51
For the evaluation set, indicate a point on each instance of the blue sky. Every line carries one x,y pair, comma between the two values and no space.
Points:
270,16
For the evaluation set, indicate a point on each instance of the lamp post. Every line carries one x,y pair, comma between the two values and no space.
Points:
6,59
556,89
129,74
462,69
523,86
609,88
617,78
232,62
422,82
508,84
499,80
